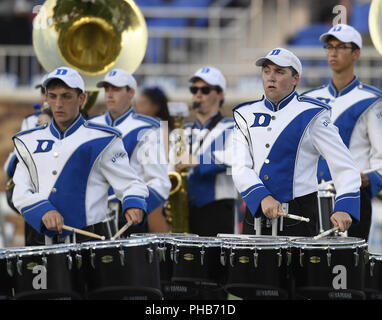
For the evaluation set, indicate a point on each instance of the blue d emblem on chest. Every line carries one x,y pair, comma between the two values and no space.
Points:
261,120
44,146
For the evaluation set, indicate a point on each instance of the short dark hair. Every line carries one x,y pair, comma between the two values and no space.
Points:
55,83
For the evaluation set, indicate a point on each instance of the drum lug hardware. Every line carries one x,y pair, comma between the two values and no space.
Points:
329,258
222,258
202,253
172,252
19,265
256,259
150,255
92,259
70,261
366,257
356,258
176,255
163,253
78,261
372,263
279,258
122,256
301,258
289,258
232,259
44,262
10,268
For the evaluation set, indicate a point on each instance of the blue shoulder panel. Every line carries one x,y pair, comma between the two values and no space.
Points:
314,101
314,89
372,89
148,119
226,120
98,126
30,130
246,103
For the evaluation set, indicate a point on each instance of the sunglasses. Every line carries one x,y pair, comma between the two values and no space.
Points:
204,90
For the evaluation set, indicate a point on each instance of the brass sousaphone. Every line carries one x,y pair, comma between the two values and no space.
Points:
91,36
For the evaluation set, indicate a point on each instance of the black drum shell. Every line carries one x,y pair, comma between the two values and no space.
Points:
5,280
136,278
373,277
314,276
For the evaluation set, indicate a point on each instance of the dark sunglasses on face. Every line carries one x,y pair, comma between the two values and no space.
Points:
204,90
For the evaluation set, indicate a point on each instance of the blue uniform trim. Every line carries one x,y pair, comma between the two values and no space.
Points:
333,91
78,122
345,123
314,101
113,123
273,107
131,139
283,156
154,200
247,103
133,201
372,89
33,214
30,130
375,184
98,126
350,203
253,196
148,119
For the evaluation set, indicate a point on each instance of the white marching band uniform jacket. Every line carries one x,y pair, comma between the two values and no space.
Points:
277,150
357,112
211,180
71,172
142,139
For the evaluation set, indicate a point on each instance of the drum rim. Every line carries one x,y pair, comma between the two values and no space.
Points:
128,242
43,252
324,243
197,242
164,235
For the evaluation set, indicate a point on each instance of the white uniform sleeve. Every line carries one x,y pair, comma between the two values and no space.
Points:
128,187
343,169
247,182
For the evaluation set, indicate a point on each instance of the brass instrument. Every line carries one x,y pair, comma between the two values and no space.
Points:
375,27
91,36
177,203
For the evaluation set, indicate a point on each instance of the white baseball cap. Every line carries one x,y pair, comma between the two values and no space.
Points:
118,78
344,33
210,75
283,58
68,75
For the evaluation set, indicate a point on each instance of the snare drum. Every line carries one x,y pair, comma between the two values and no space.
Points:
373,277
125,269
170,290
256,267
197,261
5,285
331,268
43,272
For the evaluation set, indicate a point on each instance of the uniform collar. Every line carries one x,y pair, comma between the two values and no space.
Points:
116,122
199,125
70,130
271,106
335,93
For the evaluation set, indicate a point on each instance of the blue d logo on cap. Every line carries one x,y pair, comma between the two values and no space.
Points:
61,72
205,70
275,52
337,28
112,73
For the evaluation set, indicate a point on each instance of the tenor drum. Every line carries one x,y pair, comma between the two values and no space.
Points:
256,267
170,290
127,269
331,268
46,272
373,277
5,285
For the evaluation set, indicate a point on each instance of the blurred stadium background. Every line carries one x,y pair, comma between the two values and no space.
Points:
183,36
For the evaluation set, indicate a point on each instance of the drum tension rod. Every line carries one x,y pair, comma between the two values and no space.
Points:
372,264
256,258
329,257
356,258
202,253
231,258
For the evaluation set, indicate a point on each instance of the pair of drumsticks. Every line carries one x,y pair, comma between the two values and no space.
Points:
96,236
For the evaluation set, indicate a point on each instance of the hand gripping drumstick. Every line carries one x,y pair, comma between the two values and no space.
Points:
85,233
294,217
122,230
325,233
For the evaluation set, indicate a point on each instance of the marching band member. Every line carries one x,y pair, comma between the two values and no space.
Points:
357,112
142,140
211,192
65,168
277,143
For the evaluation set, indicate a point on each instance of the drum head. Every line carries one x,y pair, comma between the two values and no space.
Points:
198,241
332,242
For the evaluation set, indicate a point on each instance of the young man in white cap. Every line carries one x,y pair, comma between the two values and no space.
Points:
66,168
277,141
141,138
357,112
211,192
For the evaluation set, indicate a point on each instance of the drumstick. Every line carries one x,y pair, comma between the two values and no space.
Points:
294,217
325,233
122,230
83,232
